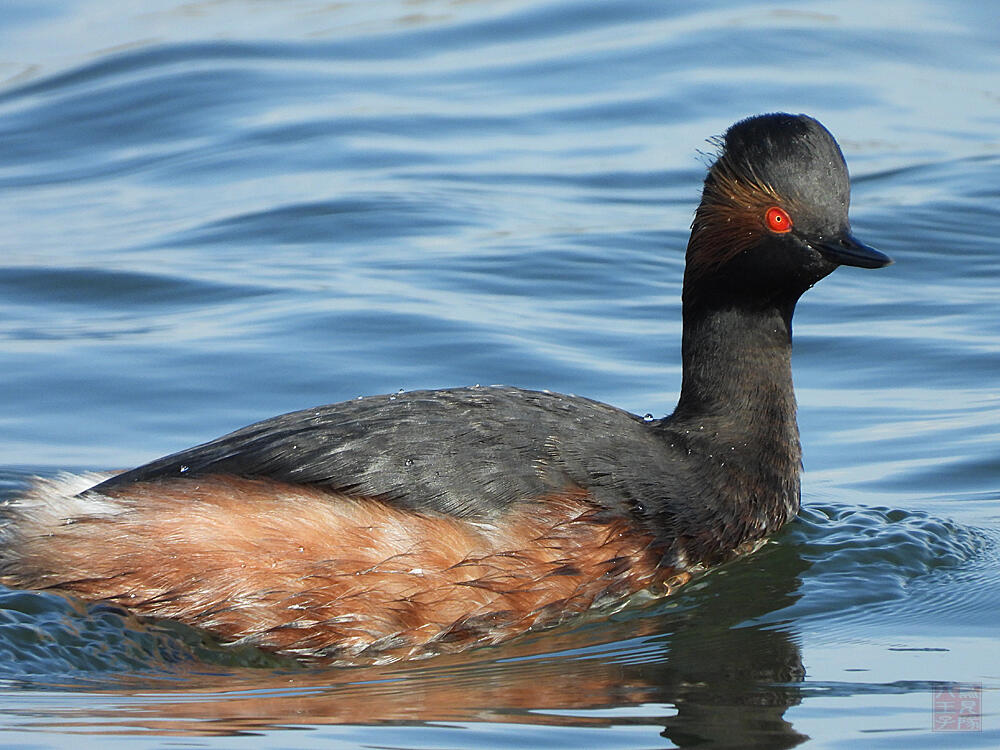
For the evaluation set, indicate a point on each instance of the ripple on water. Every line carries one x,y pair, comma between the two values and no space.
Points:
78,310
865,563
51,639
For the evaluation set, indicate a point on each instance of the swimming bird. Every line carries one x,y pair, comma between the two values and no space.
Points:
410,524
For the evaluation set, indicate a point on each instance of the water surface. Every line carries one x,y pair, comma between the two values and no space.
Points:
217,212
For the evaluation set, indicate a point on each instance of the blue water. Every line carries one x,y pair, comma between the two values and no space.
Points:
214,212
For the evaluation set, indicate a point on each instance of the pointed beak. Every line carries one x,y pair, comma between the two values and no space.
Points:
848,251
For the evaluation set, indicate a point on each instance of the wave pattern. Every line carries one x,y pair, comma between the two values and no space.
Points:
213,212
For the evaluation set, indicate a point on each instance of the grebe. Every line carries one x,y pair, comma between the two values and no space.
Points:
410,524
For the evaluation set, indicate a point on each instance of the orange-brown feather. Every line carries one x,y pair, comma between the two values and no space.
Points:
305,572
730,218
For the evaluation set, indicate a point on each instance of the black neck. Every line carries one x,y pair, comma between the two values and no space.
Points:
738,364
736,416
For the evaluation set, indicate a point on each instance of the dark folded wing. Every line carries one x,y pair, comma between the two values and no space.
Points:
468,452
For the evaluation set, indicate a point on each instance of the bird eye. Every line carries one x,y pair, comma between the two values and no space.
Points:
778,220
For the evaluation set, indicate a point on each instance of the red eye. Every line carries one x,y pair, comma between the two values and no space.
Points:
778,220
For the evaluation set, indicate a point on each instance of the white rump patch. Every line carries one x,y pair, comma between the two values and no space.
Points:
55,501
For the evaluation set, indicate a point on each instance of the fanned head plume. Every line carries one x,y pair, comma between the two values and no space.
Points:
779,181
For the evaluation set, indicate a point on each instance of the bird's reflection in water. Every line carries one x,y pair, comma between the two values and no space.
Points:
698,666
